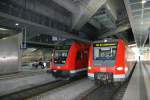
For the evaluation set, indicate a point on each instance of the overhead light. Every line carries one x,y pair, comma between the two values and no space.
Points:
132,45
17,24
143,1
3,29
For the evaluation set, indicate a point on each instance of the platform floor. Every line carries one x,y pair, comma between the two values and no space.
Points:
139,85
22,74
15,82
72,91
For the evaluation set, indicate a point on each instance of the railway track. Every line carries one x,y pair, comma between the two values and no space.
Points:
19,75
108,91
104,92
30,92
120,93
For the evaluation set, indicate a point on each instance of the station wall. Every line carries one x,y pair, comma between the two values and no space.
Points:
9,55
35,54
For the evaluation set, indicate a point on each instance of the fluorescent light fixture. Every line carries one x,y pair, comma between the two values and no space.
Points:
3,29
17,24
143,1
132,45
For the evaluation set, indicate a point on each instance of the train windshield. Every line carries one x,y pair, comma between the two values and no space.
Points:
105,51
61,53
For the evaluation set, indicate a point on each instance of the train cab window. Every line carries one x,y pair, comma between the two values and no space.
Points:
61,54
104,53
86,53
79,56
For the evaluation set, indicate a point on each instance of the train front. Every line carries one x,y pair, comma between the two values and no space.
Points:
106,60
58,63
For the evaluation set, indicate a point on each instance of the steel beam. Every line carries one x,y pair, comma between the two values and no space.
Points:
139,27
46,30
121,28
86,12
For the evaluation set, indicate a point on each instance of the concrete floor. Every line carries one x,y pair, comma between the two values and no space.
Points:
139,85
68,92
16,82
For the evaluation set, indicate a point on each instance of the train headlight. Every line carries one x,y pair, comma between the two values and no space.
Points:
58,67
89,68
126,69
119,68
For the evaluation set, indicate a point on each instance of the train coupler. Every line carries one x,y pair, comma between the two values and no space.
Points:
104,78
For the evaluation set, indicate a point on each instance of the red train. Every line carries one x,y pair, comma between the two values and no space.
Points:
110,60
70,60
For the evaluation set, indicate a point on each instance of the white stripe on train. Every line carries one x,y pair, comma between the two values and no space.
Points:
78,70
114,76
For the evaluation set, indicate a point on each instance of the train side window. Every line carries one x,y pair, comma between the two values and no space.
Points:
79,56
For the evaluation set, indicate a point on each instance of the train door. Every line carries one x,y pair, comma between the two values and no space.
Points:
79,60
85,53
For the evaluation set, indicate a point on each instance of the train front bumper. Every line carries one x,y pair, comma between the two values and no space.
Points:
104,76
62,73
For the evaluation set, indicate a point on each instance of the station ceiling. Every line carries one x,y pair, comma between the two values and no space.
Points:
77,19
139,16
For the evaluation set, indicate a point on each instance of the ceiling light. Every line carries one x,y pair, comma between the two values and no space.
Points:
3,29
132,45
17,24
143,1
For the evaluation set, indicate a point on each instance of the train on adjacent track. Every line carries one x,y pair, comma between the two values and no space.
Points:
110,60
70,59
102,60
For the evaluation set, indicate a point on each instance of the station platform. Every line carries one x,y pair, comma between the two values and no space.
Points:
139,85
72,91
23,80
